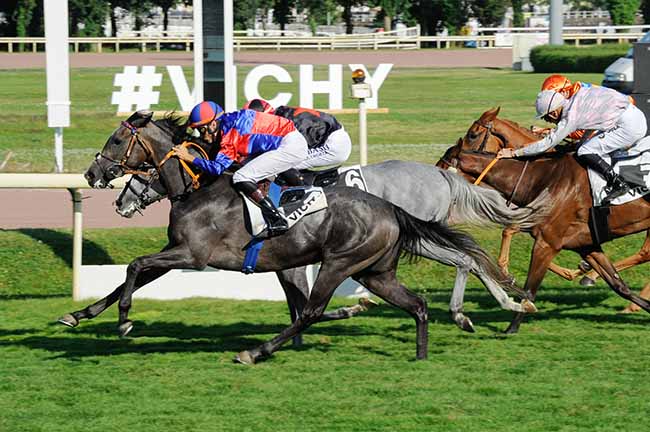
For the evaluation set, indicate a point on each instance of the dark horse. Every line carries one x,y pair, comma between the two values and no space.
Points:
357,236
566,225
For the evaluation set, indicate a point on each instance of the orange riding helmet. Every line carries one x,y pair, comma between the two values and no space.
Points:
561,84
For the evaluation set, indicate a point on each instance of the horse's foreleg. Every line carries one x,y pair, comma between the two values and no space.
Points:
542,256
91,311
607,271
178,257
506,241
329,277
564,272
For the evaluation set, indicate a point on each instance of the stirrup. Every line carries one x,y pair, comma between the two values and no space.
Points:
616,191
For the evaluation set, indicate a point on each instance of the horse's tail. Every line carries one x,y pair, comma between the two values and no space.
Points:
478,205
415,234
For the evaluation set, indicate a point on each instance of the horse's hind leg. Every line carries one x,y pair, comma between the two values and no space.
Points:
386,286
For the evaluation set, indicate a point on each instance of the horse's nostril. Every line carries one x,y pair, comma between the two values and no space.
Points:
89,175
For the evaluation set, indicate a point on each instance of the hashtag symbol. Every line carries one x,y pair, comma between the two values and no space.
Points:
136,88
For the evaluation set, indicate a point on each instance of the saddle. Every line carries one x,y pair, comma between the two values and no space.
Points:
293,202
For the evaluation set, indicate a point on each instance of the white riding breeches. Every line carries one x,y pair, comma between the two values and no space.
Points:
291,151
335,151
630,128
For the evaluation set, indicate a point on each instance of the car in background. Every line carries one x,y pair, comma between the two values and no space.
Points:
620,74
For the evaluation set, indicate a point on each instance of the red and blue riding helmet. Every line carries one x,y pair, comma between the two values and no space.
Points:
204,113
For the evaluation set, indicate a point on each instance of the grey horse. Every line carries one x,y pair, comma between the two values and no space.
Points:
422,190
358,235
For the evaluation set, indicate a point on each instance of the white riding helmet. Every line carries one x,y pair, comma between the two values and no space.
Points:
548,101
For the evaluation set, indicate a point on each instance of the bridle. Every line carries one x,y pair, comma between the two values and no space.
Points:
136,139
122,165
489,131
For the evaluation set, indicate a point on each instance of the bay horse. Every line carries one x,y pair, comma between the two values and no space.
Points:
358,235
566,225
490,133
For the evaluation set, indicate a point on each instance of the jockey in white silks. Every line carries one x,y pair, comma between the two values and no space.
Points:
620,125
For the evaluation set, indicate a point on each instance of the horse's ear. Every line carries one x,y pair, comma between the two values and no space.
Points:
490,114
498,111
140,118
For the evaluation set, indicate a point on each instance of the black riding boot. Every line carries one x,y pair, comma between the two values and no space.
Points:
616,186
277,224
292,177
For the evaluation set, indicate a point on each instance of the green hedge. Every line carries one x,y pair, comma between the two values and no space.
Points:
593,59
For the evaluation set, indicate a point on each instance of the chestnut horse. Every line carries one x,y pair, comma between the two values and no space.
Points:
491,134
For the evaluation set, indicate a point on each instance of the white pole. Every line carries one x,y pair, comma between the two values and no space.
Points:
57,72
228,58
556,23
58,149
77,241
363,132
197,6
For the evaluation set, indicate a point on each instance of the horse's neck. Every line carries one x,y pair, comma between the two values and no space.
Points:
505,174
515,135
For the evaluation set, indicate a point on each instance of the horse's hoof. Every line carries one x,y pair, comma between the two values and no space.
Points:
631,309
244,357
68,320
587,282
585,266
367,303
467,325
125,328
528,306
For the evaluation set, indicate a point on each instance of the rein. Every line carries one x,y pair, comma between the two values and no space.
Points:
195,177
514,191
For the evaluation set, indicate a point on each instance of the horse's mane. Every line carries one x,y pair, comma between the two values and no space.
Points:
523,130
174,124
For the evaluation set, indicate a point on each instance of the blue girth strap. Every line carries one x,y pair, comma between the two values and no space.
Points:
253,250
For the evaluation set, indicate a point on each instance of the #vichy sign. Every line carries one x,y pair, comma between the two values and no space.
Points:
137,87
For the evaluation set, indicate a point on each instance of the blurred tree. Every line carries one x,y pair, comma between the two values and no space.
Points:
282,12
391,9
23,16
347,13
645,9
87,17
518,13
319,12
454,14
489,13
623,12
113,5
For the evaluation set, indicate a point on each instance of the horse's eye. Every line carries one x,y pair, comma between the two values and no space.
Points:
117,141
473,135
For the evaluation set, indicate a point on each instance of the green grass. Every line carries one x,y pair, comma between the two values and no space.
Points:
428,109
576,365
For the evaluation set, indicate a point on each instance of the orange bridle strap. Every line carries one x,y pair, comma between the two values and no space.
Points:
485,171
195,177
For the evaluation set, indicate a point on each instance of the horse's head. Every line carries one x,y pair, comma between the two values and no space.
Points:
126,151
491,134
140,192
481,134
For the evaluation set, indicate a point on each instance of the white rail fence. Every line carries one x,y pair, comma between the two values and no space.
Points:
95,281
408,38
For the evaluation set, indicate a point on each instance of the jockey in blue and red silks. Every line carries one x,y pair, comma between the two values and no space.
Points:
265,144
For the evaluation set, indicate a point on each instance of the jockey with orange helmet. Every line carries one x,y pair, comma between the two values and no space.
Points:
266,144
327,140
621,125
563,85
